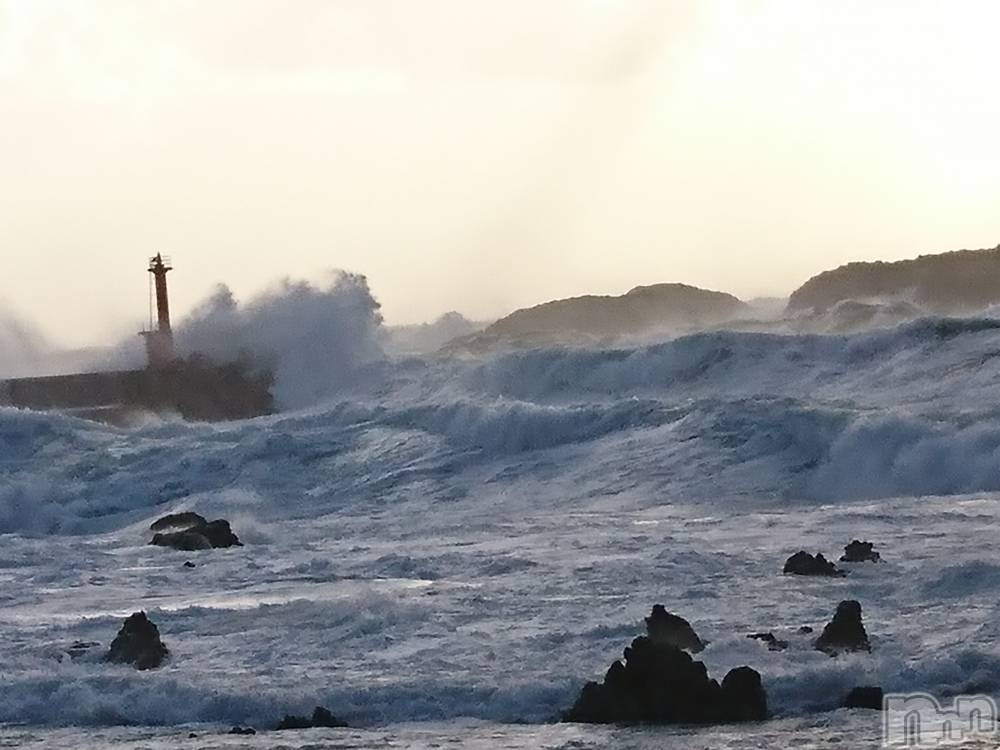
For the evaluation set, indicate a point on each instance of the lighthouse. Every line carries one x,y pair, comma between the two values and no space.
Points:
159,340
195,388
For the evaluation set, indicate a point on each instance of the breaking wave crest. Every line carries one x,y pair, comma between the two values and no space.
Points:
799,418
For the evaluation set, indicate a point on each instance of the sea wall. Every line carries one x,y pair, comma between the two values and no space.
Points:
194,390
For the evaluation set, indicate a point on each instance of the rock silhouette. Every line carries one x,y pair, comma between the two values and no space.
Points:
668,628
191,532
858,551
138,643
743,697
804,564
662,684
845,632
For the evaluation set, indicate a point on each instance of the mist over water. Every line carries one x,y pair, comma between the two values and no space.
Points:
22,348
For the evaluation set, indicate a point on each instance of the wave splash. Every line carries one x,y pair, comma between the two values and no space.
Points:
311,338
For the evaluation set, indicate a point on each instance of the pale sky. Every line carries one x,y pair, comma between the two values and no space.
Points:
482,155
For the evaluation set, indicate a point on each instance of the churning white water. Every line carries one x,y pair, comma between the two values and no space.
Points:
445,549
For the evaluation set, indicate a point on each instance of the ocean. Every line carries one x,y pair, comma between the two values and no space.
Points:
445,549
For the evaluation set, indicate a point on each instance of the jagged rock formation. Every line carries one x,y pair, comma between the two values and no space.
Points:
190,532
946,283
321,717
673,630
138,643
660,683
804,564
643,309
858,551
845,632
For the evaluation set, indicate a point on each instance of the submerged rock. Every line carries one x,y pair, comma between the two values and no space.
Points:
804,564
321,717
668,628
243,730
864,697
185,541
191,532
138,643
845,632
82,649
660,683
858,551
773,644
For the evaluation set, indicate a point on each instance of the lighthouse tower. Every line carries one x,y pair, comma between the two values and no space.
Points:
159,340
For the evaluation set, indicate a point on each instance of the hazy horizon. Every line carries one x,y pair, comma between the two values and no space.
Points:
477,157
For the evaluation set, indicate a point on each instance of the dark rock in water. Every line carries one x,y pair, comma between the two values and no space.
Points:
864,697
659,683
773,644
243,730
321,717
805,630
665,627
219,534
294,722
858,551
743,695
138,643
804,564
845,632
190,564
192,532
184,520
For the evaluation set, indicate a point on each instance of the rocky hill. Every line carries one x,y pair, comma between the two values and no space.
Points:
950,282
642,310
